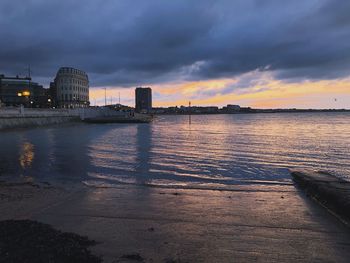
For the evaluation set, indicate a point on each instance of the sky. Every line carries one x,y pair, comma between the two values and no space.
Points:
257,53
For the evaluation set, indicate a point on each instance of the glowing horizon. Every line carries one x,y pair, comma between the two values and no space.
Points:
254,89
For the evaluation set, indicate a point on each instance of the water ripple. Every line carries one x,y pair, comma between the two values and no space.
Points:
222,150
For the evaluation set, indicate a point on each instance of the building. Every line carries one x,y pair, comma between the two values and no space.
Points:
16,91
143,99
232,108
120,107
70,88
199,109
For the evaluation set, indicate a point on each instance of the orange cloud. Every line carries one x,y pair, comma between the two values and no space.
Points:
259,90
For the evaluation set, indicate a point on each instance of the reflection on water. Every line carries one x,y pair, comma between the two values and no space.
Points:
215,150
27,155
143,153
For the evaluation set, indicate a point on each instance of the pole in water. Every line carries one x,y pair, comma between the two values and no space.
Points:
105,96
189,112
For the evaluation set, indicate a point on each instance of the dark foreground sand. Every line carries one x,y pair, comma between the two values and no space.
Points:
149,224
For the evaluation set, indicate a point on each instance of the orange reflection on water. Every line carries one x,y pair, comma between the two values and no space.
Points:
26,155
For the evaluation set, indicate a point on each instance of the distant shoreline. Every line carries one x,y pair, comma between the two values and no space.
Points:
255,111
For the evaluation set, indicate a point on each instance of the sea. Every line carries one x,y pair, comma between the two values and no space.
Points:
198,151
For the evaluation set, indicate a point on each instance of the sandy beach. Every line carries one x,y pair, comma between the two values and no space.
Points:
148,224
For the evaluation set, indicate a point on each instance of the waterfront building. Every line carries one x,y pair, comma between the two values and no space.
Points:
231,108
70,88
199,109
16,91
143,99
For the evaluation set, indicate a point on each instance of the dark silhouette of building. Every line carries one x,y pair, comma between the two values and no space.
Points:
143,99
15,91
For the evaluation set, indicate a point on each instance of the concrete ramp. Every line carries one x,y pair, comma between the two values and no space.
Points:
329,190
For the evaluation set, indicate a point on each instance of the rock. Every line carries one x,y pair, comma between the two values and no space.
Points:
31,241
131,258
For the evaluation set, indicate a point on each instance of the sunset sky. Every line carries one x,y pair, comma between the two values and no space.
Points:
263,54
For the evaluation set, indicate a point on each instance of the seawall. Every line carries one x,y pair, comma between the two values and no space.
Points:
24,122
27,117
11,118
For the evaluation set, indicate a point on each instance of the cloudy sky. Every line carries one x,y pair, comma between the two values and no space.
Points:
259,53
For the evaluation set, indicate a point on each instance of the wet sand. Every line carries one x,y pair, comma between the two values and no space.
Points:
137,223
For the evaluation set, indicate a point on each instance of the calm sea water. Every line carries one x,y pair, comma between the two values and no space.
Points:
212,151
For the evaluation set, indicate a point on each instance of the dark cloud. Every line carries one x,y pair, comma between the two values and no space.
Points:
143,42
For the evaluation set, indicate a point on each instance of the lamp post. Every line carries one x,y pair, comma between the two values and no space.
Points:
29,79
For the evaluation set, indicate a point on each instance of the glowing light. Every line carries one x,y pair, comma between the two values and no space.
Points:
26,93
27,155
19,94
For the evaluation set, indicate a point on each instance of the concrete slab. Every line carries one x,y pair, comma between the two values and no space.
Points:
174,225
330,191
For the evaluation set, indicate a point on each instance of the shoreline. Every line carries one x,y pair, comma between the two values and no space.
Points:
257,111
184,225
